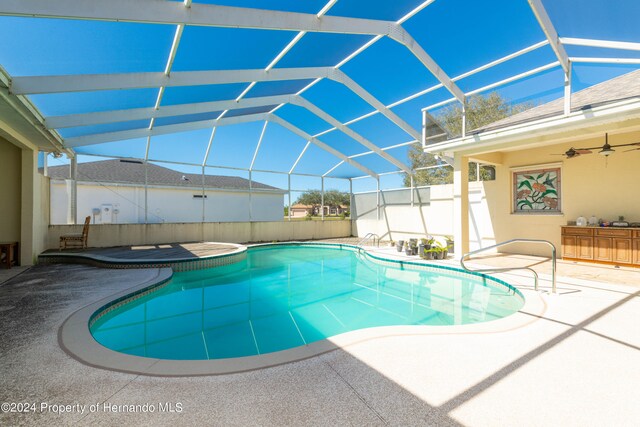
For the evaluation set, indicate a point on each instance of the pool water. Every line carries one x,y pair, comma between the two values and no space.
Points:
282,297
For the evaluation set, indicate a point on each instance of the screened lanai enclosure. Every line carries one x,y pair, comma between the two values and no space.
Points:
287,96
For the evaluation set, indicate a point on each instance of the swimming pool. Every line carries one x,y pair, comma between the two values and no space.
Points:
285,296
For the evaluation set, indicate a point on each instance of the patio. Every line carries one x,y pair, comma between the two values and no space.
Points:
583,349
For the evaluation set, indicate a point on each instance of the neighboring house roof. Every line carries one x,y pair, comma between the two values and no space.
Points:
132,172
617,89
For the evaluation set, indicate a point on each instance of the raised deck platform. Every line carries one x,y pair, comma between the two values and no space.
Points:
179,256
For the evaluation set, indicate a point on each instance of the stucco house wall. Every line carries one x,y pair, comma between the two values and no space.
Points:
591,185
10,179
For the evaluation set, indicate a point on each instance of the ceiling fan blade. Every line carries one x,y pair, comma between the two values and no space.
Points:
566,156
574,152
633,149
571,152
631,144
627,145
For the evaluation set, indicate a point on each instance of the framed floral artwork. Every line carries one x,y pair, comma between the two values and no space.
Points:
537,190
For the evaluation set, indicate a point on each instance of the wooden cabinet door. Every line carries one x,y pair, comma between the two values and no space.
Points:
585,247
602,250
569,245
622,251
636,251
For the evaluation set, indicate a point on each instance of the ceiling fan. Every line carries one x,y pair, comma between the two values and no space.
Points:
606,150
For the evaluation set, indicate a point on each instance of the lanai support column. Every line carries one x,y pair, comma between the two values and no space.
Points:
378,199
460,204
463,133
412,191
73,205
352,201
567,91
322,198
146,192
146,180
289,195
250,195
204,195
204,170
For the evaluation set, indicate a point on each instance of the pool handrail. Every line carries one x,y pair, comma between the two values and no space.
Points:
369,236
507,242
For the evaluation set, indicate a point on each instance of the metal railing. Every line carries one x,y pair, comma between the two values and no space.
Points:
496,270
373,236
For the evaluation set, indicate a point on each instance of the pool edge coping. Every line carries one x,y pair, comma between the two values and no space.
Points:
75,338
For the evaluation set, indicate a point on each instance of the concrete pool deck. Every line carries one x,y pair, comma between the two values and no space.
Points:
578,363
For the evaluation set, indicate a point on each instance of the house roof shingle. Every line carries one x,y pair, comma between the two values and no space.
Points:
132,172
617,89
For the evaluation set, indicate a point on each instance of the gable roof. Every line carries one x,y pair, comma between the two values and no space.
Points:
133,172
617,89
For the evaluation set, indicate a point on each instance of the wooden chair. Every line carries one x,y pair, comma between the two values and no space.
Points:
76,239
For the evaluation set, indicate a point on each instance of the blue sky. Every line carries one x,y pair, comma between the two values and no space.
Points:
459,34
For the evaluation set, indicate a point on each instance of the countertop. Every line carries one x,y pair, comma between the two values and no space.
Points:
595,226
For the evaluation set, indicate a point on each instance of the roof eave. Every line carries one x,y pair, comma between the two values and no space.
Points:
523,133
175,187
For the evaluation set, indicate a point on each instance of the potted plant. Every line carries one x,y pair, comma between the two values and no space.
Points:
428,254
421,247
392,243
400,245
438,250
413,244
408,249
449,242
434,253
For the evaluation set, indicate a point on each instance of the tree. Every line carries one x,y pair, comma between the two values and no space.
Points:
434,176
310,198
332,198
481,110
335,198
